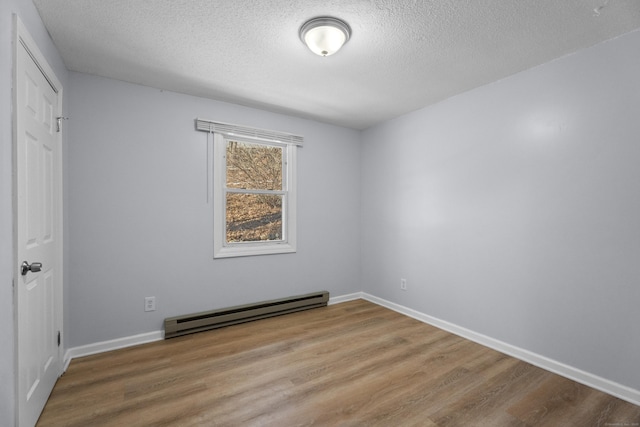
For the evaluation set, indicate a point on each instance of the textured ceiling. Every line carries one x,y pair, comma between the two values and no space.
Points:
403,54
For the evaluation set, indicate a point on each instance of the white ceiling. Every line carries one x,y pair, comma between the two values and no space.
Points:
403,54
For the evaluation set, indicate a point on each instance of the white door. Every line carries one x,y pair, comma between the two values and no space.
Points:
38,230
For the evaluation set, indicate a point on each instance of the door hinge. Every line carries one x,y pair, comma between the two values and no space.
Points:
58,338
59,122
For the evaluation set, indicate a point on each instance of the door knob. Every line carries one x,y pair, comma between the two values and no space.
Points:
34,267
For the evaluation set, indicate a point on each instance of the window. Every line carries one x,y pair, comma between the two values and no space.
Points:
254,195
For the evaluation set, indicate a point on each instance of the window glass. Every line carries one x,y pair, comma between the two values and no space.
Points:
254,217
254,166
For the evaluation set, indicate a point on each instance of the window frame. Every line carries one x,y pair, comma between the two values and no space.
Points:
224,249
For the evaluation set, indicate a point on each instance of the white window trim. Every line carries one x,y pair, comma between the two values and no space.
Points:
222,249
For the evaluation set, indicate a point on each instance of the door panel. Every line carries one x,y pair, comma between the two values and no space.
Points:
38,235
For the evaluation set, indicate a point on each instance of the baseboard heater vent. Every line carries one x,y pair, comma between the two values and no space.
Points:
197,322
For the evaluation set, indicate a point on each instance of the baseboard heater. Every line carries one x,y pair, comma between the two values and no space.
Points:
197,322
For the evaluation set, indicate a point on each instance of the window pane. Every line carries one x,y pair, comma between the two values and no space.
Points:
254,166
254,217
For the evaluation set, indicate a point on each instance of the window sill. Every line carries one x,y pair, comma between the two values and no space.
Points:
252,250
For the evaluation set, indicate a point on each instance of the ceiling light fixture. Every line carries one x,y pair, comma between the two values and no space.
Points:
325,35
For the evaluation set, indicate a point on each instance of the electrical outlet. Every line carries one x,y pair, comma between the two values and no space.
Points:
150,304
403,284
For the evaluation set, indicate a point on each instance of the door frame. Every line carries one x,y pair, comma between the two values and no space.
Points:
23,38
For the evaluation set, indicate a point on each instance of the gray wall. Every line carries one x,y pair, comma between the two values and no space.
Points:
513,210
30,18
140,224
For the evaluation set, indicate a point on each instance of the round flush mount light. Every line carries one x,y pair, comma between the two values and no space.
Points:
325,35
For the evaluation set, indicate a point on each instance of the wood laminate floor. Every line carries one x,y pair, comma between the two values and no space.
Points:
349,364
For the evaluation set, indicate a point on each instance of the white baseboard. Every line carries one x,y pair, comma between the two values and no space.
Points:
623,392
101,347
618,390
345,298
